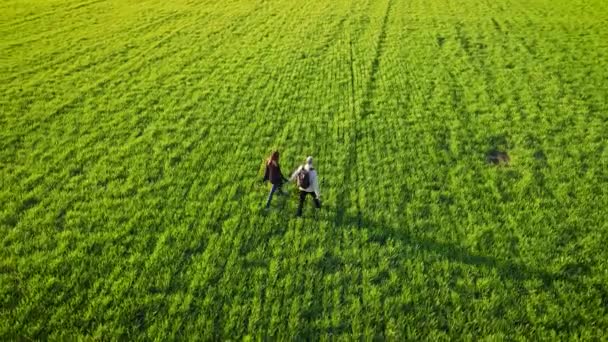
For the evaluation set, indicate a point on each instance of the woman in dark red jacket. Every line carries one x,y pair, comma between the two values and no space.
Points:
274,175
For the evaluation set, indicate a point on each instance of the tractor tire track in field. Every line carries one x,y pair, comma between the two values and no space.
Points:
375,66
352,145
360,108
350,171
351,174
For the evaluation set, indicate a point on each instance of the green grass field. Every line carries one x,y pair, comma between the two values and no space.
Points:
132,135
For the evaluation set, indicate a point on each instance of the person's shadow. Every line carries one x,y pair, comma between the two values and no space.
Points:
520,280
381,232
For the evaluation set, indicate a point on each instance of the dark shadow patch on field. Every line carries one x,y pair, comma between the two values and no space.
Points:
496,25
540,156
498,142
29,203
496,157
462,38
497,151
330,263
540,159
457,95
440,41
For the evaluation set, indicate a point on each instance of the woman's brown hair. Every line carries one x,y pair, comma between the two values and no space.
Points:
274,157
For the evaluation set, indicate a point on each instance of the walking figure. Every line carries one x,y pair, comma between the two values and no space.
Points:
274,175
307,180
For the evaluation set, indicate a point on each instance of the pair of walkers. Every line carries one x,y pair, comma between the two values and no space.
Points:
305,176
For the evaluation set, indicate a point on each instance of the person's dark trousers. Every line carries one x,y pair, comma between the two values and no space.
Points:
275,188
303,195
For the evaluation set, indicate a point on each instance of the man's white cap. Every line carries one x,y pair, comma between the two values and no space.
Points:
308,164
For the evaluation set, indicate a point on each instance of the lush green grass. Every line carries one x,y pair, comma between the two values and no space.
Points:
132,135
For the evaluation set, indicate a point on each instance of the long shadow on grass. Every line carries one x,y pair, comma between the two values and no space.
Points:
379,232
508,270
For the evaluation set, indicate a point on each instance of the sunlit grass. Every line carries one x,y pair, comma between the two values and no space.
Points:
132,135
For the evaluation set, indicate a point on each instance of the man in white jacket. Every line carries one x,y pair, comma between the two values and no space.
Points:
308,183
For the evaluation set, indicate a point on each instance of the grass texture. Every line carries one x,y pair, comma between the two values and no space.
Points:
132,135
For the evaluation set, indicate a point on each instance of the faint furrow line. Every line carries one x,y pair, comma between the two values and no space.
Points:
341,200
46,35
144,27
375,66
352,146
351,175
352,77
62,107
53,63
215,74
11,25
285,120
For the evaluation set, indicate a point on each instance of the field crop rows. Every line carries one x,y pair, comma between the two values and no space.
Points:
132,135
